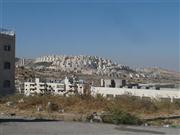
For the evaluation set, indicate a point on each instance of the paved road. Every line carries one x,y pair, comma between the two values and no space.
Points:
76,128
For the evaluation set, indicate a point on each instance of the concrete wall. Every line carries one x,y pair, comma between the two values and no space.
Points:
165,93
7,56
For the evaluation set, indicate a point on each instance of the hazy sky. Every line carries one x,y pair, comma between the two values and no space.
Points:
133,32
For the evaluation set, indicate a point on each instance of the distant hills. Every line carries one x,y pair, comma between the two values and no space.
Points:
93,65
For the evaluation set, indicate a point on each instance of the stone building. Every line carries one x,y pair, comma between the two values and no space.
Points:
7,62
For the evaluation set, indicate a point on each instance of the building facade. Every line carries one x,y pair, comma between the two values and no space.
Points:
7,62
65,87
114,83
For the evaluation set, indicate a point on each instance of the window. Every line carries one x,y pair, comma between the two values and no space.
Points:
7,48
6,84
7,65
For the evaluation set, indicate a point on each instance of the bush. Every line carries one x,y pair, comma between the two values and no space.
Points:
121,117
118,116
177,103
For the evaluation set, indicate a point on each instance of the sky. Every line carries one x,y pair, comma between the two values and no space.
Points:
138,33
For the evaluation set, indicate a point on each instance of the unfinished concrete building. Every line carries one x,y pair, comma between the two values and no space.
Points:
7,62
114,83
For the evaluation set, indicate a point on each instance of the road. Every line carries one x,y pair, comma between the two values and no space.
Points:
21,127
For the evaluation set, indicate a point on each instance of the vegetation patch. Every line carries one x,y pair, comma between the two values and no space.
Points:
118,116
121,110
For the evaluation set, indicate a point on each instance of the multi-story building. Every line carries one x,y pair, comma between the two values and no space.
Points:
7,62
65,87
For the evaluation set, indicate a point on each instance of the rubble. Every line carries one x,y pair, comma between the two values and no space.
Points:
21,101
61,110
94,117
9,104
39,108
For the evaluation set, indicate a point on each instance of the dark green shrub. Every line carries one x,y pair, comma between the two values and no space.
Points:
121,117
118,116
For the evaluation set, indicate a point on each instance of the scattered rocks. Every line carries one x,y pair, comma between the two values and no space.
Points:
2,113
146,124
95,117
166,126
9,104
21,101
61,110
39,108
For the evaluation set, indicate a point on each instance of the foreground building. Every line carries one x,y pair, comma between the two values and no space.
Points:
68,86
7,62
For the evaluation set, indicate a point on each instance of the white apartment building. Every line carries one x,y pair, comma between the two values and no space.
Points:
65,87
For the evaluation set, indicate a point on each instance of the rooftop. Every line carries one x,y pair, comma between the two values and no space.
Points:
7,32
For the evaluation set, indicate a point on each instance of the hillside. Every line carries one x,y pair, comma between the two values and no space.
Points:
57,66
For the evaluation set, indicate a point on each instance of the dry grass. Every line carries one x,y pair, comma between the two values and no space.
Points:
87,104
